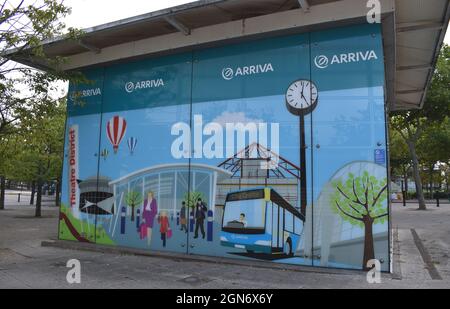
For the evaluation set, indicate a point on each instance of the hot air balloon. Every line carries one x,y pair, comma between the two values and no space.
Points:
116,129
132,143
105,154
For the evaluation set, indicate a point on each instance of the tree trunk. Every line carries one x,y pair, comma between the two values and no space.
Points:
132,213
39,199
33,192
369,248
405,179
58,193
431,181
2,192
416,174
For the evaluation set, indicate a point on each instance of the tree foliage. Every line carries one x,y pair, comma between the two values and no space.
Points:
434,144
133,199
24,25
38,150
412,125
31,115
192,198
400,158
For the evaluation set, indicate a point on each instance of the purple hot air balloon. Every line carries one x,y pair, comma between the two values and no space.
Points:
132,143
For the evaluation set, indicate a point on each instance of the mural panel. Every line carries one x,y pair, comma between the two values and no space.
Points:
350,210
143,101
256,211
80,190
270,150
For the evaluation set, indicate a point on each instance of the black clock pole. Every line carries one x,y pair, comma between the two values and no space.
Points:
303,191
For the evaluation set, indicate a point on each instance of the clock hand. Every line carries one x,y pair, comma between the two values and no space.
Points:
304,98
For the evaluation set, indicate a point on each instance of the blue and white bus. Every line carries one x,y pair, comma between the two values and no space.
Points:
261,221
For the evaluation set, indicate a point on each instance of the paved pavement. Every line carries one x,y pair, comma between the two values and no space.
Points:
24,263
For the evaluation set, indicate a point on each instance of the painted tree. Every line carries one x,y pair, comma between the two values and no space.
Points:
192,198
133,199
361,202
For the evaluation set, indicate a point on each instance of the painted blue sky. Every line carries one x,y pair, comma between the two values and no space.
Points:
341,122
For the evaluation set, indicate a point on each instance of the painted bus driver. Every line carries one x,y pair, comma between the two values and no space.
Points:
242,220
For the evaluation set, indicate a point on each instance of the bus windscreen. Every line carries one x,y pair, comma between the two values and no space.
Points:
245,214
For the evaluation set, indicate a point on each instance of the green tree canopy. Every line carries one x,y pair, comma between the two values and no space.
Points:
359,198
192,198
24,24
412,124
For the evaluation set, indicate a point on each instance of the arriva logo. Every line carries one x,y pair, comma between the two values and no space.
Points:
145,84
323,62
85,93
229,73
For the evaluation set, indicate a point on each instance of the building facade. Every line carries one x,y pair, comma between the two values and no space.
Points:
300,179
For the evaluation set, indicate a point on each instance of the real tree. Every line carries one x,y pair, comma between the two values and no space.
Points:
39,149
412,124
25,91
434,150
400,158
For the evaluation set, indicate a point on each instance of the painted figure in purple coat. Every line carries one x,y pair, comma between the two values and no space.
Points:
149,214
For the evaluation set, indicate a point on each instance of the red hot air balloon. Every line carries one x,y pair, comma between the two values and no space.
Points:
116,129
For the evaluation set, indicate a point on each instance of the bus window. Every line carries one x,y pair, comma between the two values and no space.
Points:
298,226
281,228
289,223
269,218
245,214
275,226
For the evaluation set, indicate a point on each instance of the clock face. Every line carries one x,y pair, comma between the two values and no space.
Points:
302,97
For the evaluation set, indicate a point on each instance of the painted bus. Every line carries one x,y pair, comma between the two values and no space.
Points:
260,221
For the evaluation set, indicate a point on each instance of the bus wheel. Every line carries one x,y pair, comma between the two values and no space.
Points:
288,248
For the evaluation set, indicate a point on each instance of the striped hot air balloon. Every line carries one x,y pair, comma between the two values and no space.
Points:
132,143
115,130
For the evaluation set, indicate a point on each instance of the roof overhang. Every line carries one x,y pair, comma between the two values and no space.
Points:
413,33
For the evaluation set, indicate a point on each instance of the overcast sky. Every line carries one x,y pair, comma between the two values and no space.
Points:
89,13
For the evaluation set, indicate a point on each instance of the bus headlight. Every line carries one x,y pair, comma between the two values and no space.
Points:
223,238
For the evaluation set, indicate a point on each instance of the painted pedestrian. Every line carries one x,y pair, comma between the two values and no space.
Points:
164,229
200,216
183,217
148,216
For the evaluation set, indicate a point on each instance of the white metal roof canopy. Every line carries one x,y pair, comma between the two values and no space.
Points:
413,32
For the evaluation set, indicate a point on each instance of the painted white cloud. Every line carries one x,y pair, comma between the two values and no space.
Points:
240,117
